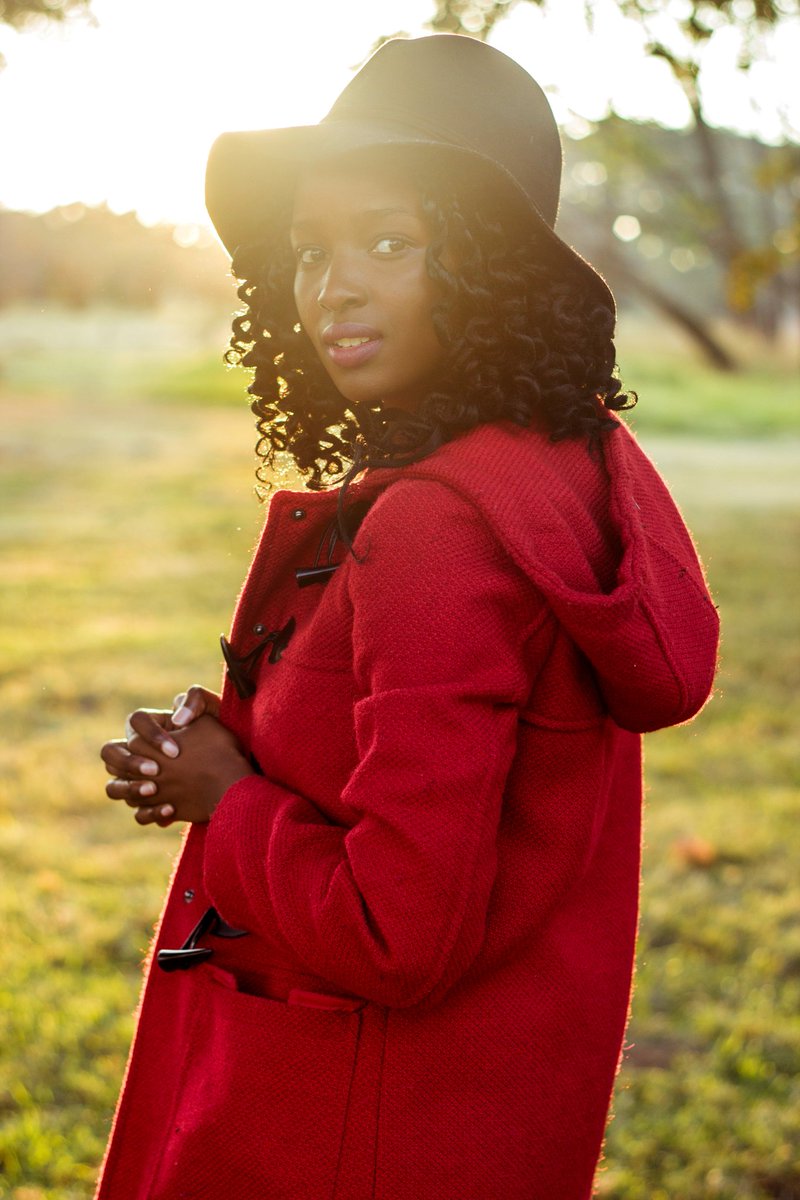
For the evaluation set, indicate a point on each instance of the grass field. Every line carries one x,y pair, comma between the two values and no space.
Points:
126,522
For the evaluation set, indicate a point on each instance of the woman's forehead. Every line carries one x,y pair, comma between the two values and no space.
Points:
356,185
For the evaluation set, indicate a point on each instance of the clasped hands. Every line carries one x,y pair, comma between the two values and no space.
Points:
175,766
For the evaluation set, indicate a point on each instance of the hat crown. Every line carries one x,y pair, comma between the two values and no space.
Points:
440,91
456,90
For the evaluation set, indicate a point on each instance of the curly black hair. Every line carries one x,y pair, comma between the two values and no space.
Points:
524,340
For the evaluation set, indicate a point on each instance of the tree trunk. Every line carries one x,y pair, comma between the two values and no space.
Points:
692,324
727,237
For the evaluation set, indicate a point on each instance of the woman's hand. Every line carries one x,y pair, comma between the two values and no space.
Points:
151,728
191,783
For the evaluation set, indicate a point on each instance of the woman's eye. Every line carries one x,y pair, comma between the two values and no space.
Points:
389,245
309,256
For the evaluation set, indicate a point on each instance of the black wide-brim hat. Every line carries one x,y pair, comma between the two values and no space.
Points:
445,91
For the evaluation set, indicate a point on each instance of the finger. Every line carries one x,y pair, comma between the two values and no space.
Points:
115,755
141,752
148,724
121,762
162,815
131,790
194,703
153,716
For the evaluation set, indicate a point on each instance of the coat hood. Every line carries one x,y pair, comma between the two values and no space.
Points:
601,538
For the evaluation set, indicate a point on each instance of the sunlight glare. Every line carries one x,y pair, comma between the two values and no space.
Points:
123,111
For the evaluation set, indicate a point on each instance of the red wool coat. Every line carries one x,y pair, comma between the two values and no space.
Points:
439,866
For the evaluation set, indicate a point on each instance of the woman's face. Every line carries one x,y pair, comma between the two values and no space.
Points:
362,290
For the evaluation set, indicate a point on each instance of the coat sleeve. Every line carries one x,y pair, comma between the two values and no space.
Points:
393,905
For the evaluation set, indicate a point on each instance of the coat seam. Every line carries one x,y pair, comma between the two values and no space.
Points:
348,1102
380,1105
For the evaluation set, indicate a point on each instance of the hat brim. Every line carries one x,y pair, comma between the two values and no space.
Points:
251,177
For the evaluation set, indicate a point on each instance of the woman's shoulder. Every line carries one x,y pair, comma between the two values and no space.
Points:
492,465
425,552
423,522
421,506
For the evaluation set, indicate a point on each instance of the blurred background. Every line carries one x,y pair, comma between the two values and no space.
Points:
127,512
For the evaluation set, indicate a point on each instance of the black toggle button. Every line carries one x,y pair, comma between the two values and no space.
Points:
190,954
306,576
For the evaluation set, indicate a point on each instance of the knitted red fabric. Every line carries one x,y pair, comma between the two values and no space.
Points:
445,835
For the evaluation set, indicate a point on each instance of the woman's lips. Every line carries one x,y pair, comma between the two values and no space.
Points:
350,345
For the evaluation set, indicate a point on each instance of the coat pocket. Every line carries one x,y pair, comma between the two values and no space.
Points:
263,1099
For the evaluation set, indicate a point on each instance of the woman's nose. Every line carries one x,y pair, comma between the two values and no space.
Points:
342,285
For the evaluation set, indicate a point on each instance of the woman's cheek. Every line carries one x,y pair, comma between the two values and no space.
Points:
304,293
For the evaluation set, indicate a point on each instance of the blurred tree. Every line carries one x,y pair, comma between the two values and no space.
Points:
635,203
76,256
19,13
741,208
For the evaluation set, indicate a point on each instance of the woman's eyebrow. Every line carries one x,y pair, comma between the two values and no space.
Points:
391,211
364,214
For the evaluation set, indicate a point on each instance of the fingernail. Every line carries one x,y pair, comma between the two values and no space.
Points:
147,789
183,716
170,749
148,768
167,810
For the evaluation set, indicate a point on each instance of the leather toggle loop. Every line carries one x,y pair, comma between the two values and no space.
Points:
241,668
348,524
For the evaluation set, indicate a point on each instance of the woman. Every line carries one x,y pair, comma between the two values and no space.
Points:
397,948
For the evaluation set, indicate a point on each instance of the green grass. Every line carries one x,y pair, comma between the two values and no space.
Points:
681,393
708,1103
126,521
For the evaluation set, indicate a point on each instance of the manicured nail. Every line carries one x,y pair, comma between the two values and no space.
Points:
148,768
147,789
170,749
183,716
167,810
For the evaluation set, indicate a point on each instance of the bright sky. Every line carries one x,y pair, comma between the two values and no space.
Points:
125,111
